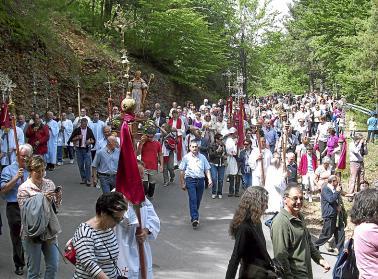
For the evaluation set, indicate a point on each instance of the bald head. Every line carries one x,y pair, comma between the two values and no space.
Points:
112,142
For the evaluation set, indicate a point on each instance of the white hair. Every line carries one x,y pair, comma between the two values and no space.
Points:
27,147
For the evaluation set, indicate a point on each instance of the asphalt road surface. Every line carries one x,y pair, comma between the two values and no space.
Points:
178,253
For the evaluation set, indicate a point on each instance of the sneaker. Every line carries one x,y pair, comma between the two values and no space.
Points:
71,161
166,184
59,164
195,224
219,196
329,248
213,196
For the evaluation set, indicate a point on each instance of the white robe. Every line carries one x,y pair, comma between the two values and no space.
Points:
98,132
64,135
53,142
255,165
231,150
11,146
128,258
275,185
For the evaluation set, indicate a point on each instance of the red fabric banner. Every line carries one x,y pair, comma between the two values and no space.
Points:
128,180
241,116
5,121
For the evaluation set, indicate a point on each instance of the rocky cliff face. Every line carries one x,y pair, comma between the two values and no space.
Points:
53,66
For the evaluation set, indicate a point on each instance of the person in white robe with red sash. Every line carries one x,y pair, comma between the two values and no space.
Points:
176,122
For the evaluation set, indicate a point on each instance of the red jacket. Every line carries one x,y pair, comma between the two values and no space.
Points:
41,135
303,164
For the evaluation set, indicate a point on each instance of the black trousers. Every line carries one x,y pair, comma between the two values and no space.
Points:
330,229
149,189
14,222
234,184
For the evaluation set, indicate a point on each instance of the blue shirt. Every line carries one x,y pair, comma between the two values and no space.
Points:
194,166
372,123
106,161
270,135
6,175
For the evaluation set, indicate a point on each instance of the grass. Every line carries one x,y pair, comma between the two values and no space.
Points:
312,210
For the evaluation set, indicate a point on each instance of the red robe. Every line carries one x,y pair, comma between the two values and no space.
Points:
179,138
42,135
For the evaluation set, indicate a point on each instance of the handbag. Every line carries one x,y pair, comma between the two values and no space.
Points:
69,252
346,267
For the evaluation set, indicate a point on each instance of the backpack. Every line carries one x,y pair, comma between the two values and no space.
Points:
346,267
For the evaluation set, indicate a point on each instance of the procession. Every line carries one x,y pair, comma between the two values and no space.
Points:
188,139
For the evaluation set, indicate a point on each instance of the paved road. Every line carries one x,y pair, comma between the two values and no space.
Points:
179,252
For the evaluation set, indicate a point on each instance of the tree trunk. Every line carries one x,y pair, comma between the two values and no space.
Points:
108,9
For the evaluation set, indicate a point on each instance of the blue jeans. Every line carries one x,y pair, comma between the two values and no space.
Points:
247,180
195,187
84,161
34,252
107,182
217,176
59,154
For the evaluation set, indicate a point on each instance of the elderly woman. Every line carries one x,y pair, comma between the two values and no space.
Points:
364,214
95,242
36,198
250,246
322,173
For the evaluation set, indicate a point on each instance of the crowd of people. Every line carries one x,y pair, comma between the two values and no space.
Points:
274,151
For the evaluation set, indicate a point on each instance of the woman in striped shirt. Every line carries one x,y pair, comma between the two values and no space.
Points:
95,242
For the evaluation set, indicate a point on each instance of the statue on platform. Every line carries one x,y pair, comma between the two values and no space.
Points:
138,91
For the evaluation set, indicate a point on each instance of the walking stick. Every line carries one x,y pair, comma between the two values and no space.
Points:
262,159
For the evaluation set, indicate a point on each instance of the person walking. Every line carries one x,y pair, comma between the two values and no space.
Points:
65,132
192,179
151,155
292,245
95,242
364,214
52,143
105,164
357,151
333,221
83,139
250,245
12,177
38,135
217,160
244,167
37,197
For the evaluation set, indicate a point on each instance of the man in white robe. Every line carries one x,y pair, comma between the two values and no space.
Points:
65,132
97,127
254,162
8,145
52,144
128,258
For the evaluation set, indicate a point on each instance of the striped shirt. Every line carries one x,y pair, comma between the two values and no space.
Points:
92,252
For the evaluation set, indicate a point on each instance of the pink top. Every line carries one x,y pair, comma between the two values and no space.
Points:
366,249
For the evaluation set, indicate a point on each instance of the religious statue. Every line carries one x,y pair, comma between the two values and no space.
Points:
138,91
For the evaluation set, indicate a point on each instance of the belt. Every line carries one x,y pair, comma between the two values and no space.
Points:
105,174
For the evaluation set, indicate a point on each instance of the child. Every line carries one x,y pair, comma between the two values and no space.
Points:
352,127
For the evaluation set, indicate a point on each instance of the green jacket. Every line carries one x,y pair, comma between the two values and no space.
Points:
292,245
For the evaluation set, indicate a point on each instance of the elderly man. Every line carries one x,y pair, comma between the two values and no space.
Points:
52,143
12,177
83,138
291,239
193,167
254,162
270,135
333,224
105,164
21,123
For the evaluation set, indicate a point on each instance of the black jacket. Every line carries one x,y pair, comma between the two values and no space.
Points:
77,131
249,249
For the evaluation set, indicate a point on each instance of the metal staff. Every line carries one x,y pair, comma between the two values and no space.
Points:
262,159
142,259
110,110
13,113
78,97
